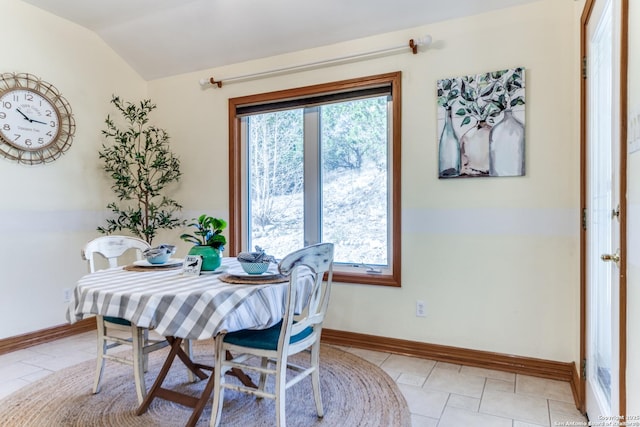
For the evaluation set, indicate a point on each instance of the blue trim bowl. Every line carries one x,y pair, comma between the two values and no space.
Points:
160,254
158,259
254,267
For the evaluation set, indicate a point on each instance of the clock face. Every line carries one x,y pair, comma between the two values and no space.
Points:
36,124
28,120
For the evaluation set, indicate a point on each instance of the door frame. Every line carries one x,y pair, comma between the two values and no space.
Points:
624,52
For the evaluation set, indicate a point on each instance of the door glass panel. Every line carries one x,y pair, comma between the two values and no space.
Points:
600,130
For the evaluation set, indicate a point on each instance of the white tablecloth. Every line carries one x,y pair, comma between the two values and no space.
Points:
192,307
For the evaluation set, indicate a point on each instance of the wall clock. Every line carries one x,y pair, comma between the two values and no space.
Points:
36,123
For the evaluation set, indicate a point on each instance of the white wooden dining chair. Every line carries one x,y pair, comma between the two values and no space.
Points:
295,333
114,331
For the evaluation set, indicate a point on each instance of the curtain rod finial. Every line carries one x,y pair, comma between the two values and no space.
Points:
210,81
422,41
425,40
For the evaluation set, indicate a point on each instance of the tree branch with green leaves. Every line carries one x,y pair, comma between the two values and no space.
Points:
140,164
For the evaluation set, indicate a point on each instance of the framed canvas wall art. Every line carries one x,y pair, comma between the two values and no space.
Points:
481,125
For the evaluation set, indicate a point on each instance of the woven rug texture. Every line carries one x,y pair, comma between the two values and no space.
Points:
354,392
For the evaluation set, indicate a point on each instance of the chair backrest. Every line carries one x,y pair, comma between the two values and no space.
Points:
315,260
112,248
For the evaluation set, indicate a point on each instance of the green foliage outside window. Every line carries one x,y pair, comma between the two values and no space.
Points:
352,145
352,133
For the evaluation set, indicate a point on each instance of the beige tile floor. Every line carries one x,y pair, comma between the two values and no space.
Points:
439,394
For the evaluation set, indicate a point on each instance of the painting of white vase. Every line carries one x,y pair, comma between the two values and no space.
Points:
481,125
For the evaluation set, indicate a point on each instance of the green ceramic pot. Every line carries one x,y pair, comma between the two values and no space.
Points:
211,257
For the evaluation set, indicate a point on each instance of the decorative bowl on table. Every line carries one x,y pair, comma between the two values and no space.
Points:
254,267
159,254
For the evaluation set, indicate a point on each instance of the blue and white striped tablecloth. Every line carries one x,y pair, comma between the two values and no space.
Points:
184,306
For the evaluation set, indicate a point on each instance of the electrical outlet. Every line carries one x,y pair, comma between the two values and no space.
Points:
421,310
66,295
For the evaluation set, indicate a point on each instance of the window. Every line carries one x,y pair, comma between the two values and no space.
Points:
320,164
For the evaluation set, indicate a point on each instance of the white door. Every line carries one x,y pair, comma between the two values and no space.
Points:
602,201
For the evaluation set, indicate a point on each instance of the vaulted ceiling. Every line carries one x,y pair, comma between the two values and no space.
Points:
160,38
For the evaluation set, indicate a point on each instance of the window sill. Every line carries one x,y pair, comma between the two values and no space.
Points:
367,279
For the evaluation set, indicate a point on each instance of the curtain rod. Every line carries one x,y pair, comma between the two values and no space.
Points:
413,45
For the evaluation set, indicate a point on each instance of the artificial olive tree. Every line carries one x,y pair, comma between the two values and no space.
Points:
138,160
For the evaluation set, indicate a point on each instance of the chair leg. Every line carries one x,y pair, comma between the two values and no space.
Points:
101,350
145,341
139,362
281,390
263,376
188,349
315,377
218,390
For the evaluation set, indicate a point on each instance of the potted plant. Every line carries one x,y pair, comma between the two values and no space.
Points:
208,240
141,166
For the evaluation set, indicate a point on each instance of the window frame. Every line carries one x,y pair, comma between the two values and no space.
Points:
237,181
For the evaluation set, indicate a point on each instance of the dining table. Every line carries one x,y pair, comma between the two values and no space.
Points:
183,306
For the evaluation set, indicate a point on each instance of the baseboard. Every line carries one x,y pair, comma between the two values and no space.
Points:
563,371
20,342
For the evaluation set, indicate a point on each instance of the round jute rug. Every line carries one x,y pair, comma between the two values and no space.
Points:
354,391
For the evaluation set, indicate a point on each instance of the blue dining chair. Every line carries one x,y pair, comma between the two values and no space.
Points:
114,331
297,331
